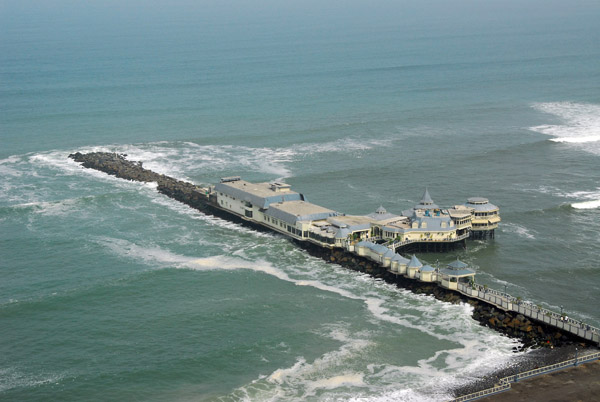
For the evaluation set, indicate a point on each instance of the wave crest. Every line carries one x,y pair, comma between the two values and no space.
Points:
580,123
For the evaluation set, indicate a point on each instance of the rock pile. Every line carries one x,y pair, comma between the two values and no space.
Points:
116,165
530,333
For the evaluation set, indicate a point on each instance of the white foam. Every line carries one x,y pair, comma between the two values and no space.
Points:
478,351
520,230
341,145
586,204
580,123
12,378
589,199
149,254
577,140
52,208
475,350
208,219
180,159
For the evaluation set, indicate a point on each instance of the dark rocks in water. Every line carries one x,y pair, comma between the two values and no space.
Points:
532,334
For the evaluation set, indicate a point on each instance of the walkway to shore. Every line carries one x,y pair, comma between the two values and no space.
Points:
581,383
510,303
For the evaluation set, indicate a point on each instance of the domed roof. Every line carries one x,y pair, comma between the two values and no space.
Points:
389,254
480,204
400,259
457,264
427,268
381,210
477,200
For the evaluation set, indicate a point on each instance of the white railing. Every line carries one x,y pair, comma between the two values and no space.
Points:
510,303
507,302
504,383
397,244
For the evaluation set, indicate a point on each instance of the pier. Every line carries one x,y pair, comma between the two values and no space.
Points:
507,302
369,243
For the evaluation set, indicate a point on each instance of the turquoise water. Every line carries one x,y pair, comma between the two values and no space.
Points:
111,291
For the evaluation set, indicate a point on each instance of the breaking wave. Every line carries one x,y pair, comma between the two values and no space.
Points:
341,372
182,159
588,199
579,123
586,204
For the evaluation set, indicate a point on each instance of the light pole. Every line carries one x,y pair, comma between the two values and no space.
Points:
576,355
561,310
505,289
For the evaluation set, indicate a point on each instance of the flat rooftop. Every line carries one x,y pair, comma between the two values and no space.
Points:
401,224
262,190
351,220
300,208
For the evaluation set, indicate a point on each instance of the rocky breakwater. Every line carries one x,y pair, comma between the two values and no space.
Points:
530,333
116,165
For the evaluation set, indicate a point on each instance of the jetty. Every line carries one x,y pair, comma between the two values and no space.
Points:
371,243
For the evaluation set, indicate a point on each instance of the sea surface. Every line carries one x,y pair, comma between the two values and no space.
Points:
111,291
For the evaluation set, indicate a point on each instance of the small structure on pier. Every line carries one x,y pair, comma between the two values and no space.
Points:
399,264
457,271
427,274
413,267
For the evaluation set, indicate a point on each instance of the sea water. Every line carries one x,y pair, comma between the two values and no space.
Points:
111,291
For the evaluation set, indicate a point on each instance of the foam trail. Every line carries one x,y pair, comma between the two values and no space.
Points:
180,159
51,208
12,378
474,350
520,230
581,123
149,255
374,305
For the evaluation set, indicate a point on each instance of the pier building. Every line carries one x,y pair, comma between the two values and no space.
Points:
485,217
456,272
426,225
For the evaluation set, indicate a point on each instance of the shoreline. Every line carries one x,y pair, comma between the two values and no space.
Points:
530,360
580,383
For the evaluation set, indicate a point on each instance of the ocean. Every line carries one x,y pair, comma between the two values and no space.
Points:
112,291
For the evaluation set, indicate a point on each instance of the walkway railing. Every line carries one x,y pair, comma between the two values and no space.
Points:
394,245
504,383
507,302
510,303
